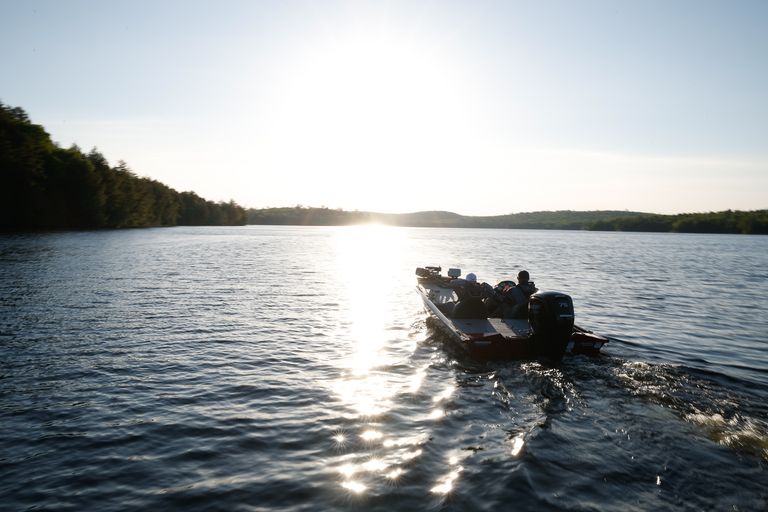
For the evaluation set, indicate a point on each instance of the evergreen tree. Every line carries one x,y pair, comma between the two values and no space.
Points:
43,186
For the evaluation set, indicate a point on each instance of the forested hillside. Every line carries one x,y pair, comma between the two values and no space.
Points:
300,215
729,221
752,222
43,186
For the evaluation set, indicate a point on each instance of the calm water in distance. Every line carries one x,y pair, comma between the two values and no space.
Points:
293,368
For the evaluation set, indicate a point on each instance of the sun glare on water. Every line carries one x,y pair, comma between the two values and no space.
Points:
368,265
363,256
369,269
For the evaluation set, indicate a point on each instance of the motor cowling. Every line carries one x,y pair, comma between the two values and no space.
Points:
551,317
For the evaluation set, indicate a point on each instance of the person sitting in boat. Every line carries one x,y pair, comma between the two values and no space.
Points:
511,300
470,297
525,284
470,288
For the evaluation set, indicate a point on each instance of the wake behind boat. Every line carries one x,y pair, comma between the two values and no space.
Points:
547,331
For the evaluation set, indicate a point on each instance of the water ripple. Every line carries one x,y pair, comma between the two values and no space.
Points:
293,368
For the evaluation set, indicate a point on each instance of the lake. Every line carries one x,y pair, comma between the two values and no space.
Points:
293,368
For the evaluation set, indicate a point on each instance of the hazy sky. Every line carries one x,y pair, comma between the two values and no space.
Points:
476,107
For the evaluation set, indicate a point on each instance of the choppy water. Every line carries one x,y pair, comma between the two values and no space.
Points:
293,368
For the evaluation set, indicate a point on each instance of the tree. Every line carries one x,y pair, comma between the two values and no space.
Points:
43,186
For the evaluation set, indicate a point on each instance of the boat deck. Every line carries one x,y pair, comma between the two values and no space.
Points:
507,327
441,296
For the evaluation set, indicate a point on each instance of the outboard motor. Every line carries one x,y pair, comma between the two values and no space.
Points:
551,317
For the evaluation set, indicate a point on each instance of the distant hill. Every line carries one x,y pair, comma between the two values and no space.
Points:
729,221
304,216
565,219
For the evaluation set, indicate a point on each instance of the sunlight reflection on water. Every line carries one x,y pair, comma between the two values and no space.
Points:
518,442
292,369
366,315
446,483
363,256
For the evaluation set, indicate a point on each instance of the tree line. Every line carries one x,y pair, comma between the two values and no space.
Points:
44,186
730,221
301,215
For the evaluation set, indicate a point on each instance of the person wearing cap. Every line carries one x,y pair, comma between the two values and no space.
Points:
470,297
467,287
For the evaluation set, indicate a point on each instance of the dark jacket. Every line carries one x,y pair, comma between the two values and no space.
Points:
471,290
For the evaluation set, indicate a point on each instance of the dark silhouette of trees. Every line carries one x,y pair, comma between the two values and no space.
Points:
729,221
43,186
301,216
641,222
752,222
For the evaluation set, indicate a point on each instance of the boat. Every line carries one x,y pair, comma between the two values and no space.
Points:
547,332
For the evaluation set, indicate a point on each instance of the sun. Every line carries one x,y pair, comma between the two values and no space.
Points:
372,81
376,109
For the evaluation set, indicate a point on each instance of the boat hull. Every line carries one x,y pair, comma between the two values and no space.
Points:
497,338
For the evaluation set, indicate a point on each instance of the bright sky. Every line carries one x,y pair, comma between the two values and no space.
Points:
476,107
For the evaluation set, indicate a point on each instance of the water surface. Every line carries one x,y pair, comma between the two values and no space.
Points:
294,368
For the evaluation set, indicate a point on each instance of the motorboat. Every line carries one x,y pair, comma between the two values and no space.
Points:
546,331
